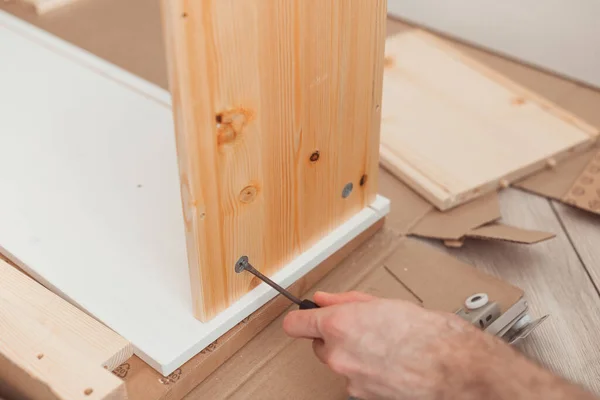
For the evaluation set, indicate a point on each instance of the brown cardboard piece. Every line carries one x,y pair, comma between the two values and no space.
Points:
436,280
509,233
575,182
417,217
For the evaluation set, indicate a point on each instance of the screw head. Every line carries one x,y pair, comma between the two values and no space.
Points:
347,190
241,265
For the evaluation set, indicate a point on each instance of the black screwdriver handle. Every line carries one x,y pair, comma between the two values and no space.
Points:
308,305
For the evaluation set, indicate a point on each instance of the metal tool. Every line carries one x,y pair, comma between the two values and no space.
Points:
244,265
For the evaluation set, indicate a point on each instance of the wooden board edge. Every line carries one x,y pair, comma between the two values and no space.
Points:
143,382
448,202
120,350
44,6
390,161
505,81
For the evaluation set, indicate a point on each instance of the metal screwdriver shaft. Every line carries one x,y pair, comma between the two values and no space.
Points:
243,264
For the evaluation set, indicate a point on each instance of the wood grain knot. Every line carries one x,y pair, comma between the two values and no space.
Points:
248,194
231,123
363,180
314,157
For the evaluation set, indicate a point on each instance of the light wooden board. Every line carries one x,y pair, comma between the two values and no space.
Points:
92,206
50,349
553,35
454,129
43,6
273,123
85,335
555,282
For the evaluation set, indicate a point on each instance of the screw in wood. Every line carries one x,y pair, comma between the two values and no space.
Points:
347,190
243,264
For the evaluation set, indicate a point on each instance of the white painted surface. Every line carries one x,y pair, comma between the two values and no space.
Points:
562,36
90,201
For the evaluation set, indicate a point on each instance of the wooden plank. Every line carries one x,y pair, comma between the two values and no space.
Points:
555,282
43,6
101,346
273,124
582,228
144,383
50,349
488,131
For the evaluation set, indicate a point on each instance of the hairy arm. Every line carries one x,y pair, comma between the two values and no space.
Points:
391,349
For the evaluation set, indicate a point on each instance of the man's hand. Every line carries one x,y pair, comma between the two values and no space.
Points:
391,349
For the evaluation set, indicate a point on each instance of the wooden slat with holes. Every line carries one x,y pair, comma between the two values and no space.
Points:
50,349
85,335
277,107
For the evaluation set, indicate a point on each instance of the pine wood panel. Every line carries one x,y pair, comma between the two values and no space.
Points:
454,129
277,108
49,349
102,346
555,283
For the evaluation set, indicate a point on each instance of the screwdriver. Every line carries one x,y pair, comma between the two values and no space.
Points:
244,265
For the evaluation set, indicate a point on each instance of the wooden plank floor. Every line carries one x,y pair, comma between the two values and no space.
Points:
557,278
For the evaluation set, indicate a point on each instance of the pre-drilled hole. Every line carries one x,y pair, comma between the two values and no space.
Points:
88,391
219,118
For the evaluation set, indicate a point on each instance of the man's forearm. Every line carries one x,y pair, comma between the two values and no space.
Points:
505,374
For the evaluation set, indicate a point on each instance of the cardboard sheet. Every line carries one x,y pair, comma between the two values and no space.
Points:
455,223
276,371
575,182
585,191
509,234
416,217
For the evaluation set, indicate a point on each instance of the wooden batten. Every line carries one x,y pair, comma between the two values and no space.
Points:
277,112
50,350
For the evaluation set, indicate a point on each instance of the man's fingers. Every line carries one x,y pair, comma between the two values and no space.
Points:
302,324
329,299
